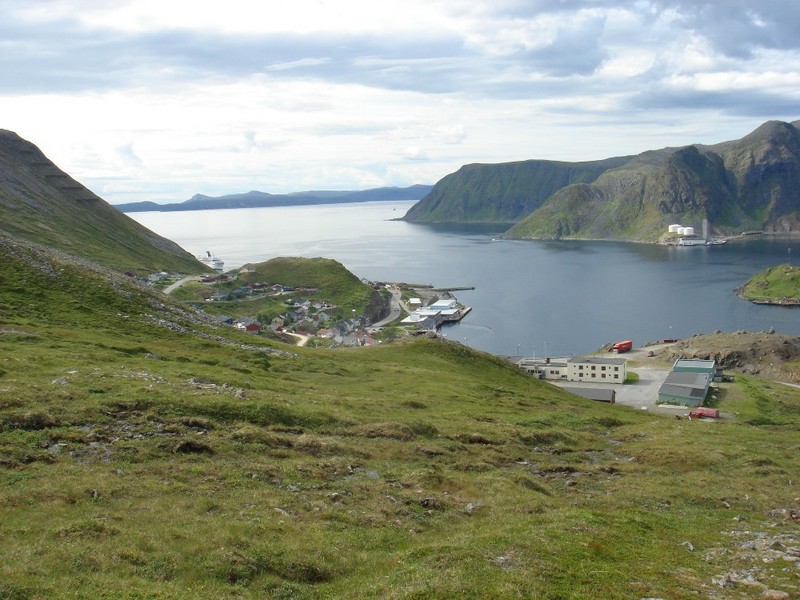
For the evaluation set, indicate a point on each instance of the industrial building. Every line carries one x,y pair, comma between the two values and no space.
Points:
596,369
696,365
581,368
544,368
684,388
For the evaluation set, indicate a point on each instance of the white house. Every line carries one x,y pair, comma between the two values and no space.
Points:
544,368
597,369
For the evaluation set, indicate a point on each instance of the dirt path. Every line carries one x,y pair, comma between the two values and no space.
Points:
174,286
302,339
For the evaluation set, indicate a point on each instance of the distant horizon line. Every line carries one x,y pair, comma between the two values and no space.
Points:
296,193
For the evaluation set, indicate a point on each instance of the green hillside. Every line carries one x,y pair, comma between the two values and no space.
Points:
147,453
774,285
748,184
42,204
340,285
502,193
315,279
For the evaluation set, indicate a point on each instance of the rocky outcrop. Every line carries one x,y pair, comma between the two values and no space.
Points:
769,355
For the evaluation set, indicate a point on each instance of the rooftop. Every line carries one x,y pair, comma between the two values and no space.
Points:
596,360
694,363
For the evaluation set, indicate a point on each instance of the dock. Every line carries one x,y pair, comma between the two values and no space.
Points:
455,318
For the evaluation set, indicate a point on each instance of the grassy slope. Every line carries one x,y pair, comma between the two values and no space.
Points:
340,286
137,461
775,283
335,284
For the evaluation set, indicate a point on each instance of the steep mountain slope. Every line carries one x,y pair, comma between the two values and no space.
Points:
42,204
502,193
746,184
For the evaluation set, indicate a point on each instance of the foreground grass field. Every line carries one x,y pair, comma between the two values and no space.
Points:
144,454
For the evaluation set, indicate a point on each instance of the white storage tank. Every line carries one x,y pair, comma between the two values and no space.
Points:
674,228
688,231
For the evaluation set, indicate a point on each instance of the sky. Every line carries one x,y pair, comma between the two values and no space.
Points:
162,99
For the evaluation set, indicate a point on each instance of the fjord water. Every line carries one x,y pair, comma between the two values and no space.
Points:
531,297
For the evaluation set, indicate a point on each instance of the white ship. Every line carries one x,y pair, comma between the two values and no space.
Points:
211,260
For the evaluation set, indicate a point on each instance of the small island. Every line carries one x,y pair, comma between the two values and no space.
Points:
779,286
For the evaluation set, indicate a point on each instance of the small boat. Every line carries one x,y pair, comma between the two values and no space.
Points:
212,261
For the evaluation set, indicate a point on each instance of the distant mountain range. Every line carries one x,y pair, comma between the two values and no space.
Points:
40,203
257,199
747,184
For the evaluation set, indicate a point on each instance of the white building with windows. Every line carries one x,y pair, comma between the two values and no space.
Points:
597,369
544,368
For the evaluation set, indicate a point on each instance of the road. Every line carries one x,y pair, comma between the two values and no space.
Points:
174,286
395,309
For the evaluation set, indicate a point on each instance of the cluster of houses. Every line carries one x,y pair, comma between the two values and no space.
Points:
306,317
153,278
249,289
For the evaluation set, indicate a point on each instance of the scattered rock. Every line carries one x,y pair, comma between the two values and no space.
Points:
473,507
792,514
56,448
688,545
431,503
723,581
504,562
776,595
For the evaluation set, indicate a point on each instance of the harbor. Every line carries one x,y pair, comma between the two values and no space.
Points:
432,313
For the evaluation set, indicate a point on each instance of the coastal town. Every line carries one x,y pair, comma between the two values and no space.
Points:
686,390
300,313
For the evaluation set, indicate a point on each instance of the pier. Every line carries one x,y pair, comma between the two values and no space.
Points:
455,318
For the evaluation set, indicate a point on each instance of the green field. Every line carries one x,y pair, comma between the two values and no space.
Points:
774,284
145,453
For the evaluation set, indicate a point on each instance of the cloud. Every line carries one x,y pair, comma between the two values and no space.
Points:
127,156
250,94
415,153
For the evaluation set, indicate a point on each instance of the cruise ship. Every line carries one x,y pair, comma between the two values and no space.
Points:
212,261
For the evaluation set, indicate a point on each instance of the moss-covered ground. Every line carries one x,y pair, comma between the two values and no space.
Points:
145,454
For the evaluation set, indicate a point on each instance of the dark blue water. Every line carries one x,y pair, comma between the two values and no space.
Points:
531,296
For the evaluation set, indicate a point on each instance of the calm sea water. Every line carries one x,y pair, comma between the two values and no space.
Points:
531,297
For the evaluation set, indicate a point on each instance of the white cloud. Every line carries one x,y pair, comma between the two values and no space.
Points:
161,100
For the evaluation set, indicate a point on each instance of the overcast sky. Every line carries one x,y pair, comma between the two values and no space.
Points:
161,99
